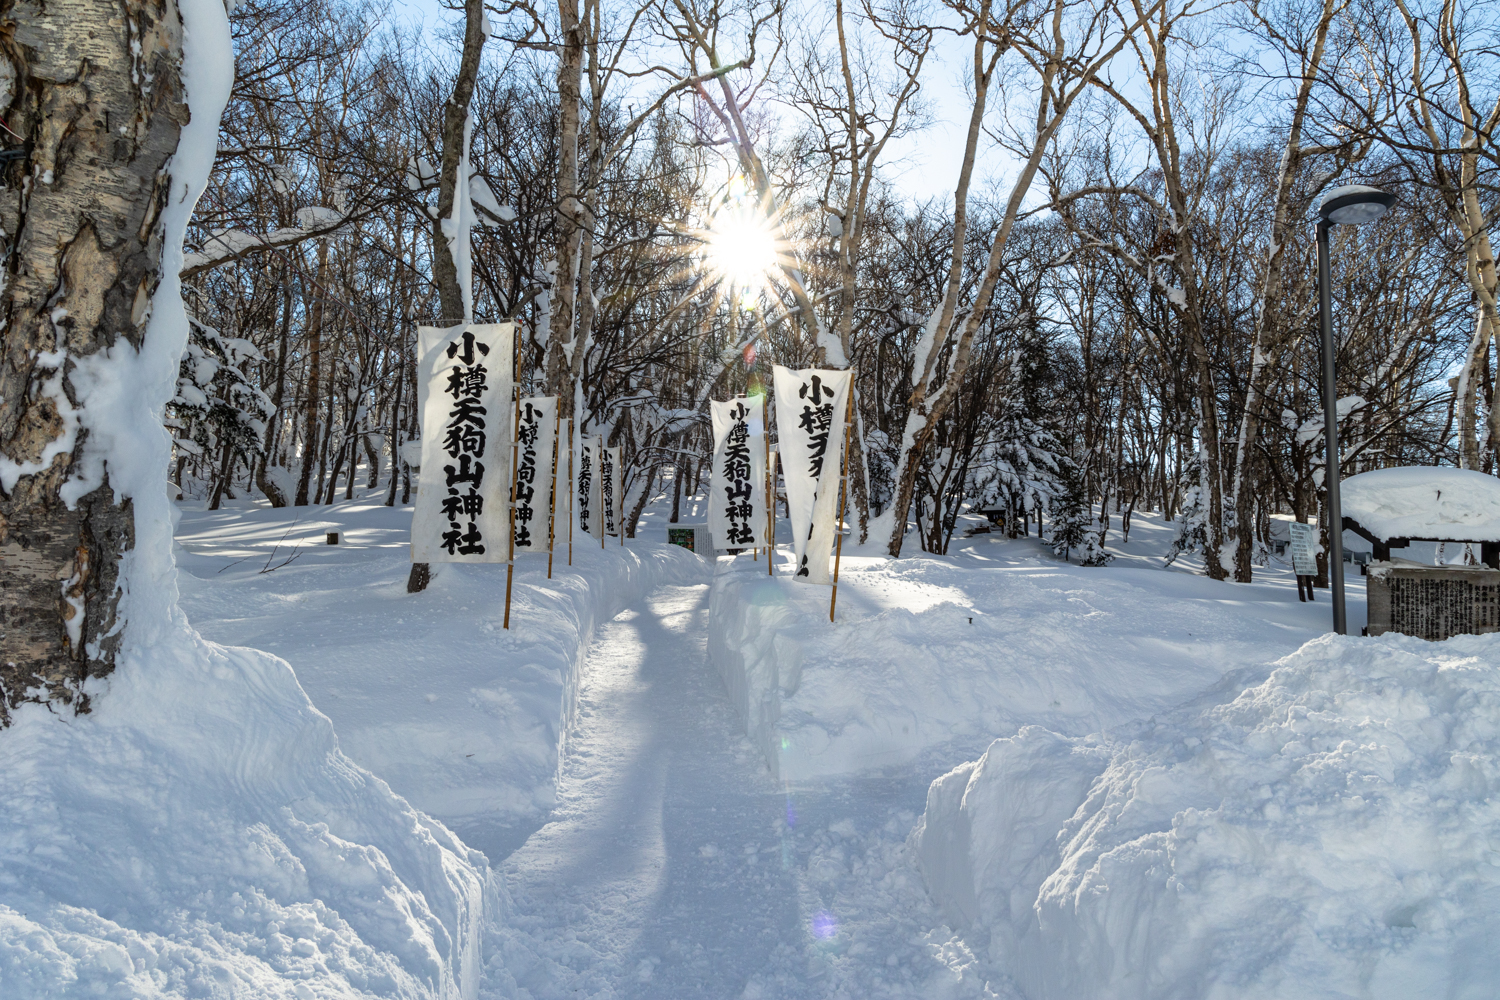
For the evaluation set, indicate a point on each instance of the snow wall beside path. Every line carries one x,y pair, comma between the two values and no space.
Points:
201,834
928,654
1328,833
461,716
510,697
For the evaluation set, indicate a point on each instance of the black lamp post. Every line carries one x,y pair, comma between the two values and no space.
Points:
1352,204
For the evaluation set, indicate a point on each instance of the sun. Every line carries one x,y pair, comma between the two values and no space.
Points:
741,246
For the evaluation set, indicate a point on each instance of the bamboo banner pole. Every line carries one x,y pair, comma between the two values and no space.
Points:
510,558
552,517
572,478
843,499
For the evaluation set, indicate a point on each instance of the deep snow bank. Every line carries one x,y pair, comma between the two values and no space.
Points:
462,717
933,652
201,834
1330,832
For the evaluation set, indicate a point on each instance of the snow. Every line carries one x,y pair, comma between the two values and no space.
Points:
462,718
675,866
223,244
1424,502
1339,192
319,217
483,198
1325,833
1312,429
929,651
200,833
675,778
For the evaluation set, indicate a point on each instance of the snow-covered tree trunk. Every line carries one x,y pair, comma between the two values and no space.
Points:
95,92
452,187
561,349
316,312
1272,328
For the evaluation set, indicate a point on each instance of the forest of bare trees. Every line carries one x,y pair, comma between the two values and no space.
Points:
1114,306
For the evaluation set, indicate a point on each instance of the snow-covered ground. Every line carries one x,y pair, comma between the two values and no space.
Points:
938,654
685,782
1330,832
461,716
200,833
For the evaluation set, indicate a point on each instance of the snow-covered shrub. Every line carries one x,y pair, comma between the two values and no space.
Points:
1092,552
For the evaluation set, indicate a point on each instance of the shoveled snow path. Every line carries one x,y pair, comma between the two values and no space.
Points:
674,866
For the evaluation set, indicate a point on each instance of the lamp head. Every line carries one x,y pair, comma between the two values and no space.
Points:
1354,204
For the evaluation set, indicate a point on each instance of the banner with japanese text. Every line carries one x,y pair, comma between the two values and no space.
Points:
586,487
536,436
609,491
737,478
810,409
464,397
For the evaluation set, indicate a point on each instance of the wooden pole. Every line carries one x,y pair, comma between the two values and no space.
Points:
599,477
838,526
510,541
552,517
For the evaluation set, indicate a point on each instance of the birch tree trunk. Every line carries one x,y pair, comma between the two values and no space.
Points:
455,116
1064,66
95,92
315,313
1438,97
1272,328
565,276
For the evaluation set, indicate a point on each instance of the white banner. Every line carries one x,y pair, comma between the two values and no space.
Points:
565,501
737,482
810,408
536,436
464,394
609,491
586,487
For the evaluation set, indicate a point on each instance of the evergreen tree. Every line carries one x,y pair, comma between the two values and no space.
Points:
1071,516
1024,451
218,412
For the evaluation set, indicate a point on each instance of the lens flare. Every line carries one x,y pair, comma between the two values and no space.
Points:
741,246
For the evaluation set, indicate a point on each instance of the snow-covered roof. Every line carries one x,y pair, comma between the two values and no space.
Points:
1424,502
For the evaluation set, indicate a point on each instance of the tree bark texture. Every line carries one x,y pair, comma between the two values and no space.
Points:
455,116
569,209
94,93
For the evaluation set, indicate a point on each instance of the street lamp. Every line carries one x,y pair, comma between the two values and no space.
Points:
1352,204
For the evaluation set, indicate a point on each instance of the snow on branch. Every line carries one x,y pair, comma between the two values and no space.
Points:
231,244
